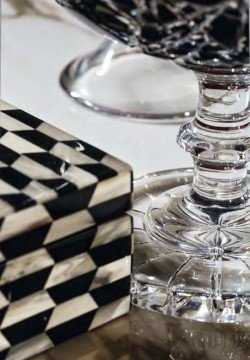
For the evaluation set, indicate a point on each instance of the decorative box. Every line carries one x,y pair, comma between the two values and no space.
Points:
65,240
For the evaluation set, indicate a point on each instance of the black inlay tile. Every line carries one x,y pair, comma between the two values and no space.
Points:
18,201
27,285
1,266
102,172
72,245
14,178
2,131
35,137
112,251
50,161
1,221
27,328
2,313
87,149
72,288
7,155
24,117
24,243
110,209
71,328
111,292
71,203
3,354
61,186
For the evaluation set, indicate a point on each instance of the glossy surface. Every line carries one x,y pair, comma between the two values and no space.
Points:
154,336
109,342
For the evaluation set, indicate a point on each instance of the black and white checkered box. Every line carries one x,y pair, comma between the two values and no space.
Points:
50,179
65,242
64,289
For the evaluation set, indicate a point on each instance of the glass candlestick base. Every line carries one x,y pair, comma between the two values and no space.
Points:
118,80
199,288
203,286
183,223
211,216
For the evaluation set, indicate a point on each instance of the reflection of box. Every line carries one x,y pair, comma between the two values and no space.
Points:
65,241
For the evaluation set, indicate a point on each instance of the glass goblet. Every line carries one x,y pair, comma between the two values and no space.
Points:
200,221
211,38
119,80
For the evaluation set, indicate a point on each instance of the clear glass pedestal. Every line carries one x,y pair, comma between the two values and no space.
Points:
205,287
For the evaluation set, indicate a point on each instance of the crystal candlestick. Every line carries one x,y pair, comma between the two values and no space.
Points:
202,227
213,214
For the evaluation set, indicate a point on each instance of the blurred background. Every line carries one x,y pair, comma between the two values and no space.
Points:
39,38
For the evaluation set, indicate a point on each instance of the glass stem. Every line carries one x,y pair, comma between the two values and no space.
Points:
218,137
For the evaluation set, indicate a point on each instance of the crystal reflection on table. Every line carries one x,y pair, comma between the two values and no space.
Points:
159,337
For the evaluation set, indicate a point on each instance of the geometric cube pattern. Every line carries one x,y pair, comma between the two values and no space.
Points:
78,284
65,240
49,179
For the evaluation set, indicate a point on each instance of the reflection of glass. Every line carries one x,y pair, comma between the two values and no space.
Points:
209,218
122,81
154,336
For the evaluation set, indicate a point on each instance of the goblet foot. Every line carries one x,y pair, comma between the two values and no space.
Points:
198,288
118,80
185,275
180,220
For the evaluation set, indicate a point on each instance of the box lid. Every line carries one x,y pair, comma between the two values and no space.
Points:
51,179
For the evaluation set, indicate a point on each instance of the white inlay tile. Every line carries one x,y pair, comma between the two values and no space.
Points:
11,124
19,144
115,164
112,230
5,106
112,272
110,312
69,224
39,192
2,257
27,307
111,188
79,177
69,269
5,208
6,188
23,221
31,347
70,155
4,344
26,264
54,132
2,164
33,169
72,309
3,301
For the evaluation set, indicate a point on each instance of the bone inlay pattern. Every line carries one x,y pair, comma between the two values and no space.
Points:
53,181
65,240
